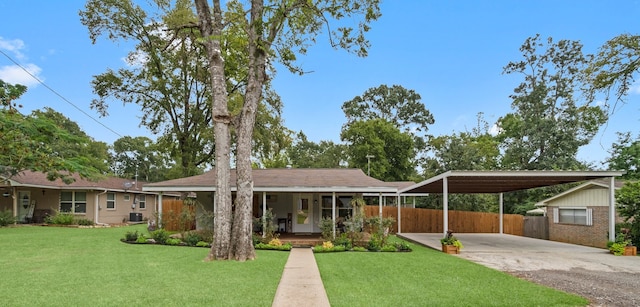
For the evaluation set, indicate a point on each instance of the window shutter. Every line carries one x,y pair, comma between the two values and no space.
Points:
556,215
589,217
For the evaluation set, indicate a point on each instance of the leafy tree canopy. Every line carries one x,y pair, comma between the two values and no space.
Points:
548,125
628,202
615,67
625,155
307,154
391,151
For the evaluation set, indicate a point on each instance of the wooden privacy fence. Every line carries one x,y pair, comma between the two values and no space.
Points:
418,220
176,216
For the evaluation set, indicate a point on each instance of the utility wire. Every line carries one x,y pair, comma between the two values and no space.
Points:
57,94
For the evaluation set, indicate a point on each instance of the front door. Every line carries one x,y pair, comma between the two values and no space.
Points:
303,214
24,200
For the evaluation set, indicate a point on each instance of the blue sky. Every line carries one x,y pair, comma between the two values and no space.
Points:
450,52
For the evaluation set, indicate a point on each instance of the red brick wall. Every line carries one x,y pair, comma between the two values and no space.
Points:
595,235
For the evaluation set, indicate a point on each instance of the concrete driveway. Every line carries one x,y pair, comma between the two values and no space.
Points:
511,253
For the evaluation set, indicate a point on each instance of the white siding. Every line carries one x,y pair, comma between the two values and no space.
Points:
596,196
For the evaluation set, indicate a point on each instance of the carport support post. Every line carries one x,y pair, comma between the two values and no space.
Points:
333,212
160,210
380,206
501,213
445,205
612,209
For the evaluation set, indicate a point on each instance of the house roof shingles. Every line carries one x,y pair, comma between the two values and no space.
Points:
285,179
38,179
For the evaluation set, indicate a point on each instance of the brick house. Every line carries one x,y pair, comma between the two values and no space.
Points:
580,215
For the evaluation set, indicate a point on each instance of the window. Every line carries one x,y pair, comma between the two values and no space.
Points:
111,201
569,215
126,197
142,201
73,202
343,206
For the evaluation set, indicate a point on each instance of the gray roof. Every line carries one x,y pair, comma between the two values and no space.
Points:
39,180
287,180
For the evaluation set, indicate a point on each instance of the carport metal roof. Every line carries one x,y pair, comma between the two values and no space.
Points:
473,182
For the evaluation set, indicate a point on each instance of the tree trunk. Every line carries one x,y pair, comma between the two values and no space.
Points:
242,245
211,31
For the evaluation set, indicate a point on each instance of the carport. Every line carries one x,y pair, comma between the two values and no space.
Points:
479,182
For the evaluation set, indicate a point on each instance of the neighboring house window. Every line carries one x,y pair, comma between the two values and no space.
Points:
573,215
111,201
73,202
127,197
142,201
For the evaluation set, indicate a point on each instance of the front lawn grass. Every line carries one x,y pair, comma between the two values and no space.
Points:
57,266
427,277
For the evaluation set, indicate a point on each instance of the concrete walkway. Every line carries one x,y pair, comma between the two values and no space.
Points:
300,284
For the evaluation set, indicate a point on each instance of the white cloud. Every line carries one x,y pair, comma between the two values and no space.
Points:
16,75
14,46
495,130
635,88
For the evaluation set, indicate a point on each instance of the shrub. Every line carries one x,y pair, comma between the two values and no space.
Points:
389,248
403,246
160,236
173,241
203,244
61,219
275,242
7,218
326,228
192,238
322,249
84,222
283,247
131,236
327,245
343,240
359,249
141,239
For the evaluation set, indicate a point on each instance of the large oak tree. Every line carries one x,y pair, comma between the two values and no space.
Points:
276,30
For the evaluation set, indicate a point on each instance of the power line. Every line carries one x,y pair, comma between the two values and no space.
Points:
58,94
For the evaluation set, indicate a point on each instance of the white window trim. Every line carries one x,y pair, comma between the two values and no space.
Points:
115,204
589,212
74,201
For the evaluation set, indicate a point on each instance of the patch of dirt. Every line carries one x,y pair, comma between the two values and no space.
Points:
600,287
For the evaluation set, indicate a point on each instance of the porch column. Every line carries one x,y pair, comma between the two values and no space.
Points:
612,209
380,206
399,215
264,211
14,199
160,210
333,212
445,205
501,213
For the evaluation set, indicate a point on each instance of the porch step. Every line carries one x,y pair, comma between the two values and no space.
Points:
303,243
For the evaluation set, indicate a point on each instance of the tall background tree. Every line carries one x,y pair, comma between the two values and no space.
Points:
167,77
276,31
139,158
625,155
324,154
548,124
614,68
38,142
390,151
404,110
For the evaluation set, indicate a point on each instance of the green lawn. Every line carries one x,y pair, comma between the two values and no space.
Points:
55,266
426,277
